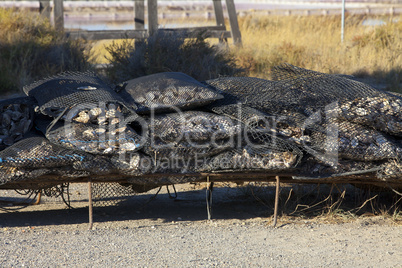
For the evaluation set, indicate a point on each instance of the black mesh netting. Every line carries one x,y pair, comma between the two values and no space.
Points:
355,101
162,91
304,105
109,194
193,126
92,138
16,119
58,93
94,129
38,152
309,124
189,136
36,156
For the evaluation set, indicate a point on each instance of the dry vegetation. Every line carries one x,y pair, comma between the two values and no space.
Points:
314,42
30,49
325,203
169,52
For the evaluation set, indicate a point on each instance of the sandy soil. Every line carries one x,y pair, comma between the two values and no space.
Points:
175,233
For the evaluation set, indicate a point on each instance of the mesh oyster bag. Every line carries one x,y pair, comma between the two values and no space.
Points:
109,194
35,156
16,174
249,158
354,141
38,152
162,91
93,129
357,102
182,150
382,112
16,119
190,135
133,163
264,130
142,184
66,90
193,126
301,103
310,168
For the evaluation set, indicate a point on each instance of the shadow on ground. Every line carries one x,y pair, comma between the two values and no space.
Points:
228,203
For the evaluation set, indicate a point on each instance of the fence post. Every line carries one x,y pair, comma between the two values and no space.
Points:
234,25
220,20
152,16
44,9
58,15
139,14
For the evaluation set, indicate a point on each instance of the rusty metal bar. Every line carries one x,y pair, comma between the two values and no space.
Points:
210,187
90,208
276,200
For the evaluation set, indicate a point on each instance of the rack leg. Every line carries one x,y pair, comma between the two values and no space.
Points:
38,198
276,200
90,209
210,187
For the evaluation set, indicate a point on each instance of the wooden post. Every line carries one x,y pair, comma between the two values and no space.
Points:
139,17
58,15
152,16
234,25
209,189
276,200
44,9
220,20
139,14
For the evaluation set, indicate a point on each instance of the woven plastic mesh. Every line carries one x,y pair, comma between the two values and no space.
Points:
180,137
358,142
143,184
38,152
311,168
94,139
193,126
16,174
16,119
161,91
249,158
94,129
358,102
292,123
303,103
264,135
110,194
181,150
66,90
135,163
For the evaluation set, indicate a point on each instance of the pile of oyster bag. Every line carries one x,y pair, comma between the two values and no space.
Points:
301,122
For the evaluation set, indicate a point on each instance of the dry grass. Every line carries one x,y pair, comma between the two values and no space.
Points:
169,52
314,42
30,49
327,203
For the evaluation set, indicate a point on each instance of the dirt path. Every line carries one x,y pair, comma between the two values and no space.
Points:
167,233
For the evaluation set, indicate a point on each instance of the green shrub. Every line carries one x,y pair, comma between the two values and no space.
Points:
169,52
30,49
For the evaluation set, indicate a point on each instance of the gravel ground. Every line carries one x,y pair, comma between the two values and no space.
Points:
167,233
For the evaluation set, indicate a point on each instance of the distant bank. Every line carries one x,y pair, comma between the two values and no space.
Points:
109,15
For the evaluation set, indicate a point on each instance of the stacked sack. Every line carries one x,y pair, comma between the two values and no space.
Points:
302,122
